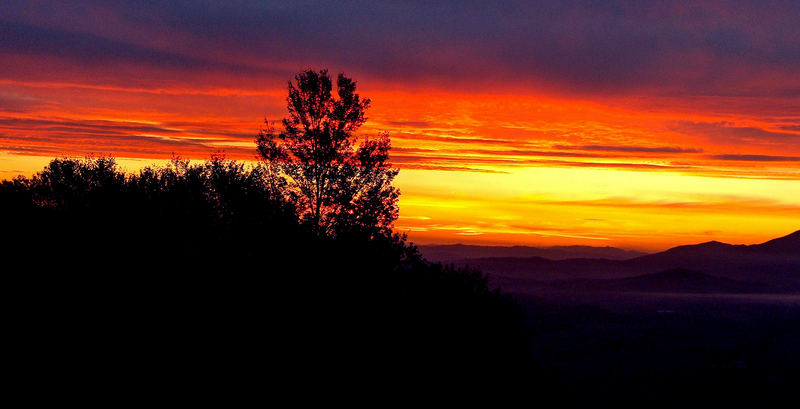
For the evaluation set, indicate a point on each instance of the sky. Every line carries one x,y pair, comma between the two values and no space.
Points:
633,124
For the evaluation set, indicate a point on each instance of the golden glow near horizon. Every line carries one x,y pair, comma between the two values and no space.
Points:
510,168
561,206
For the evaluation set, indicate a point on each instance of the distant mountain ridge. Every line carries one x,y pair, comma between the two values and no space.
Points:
672,281
788,244
447,253
774,265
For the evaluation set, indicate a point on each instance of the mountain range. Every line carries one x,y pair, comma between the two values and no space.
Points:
773,266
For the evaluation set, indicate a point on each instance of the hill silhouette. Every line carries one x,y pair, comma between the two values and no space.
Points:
202,268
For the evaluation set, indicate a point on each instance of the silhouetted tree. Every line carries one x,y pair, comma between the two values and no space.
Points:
66,182
340,188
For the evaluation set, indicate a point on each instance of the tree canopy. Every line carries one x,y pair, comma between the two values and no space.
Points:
341,187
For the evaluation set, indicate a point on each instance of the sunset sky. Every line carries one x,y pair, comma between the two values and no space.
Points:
614,123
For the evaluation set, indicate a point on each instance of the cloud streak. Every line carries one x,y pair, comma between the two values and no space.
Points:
757,158
728,131
637,149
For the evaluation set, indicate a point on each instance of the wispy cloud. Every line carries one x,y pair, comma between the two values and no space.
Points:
757,158
724,130
639,149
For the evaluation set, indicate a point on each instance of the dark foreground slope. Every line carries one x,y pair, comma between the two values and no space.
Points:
653,350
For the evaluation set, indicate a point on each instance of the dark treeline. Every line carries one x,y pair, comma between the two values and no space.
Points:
207,269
